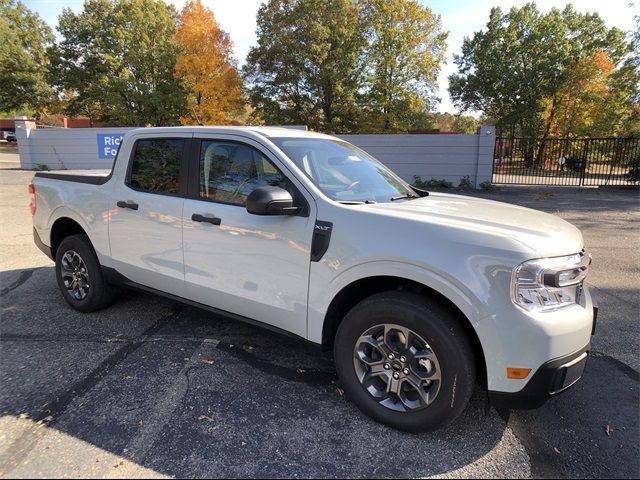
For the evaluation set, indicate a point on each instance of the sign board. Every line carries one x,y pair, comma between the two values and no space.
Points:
108,144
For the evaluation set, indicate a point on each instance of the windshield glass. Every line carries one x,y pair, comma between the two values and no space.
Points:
342,171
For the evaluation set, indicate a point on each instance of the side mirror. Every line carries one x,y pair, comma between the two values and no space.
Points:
271,201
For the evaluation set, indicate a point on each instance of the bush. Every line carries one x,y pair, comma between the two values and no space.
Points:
431,183
633,175
487,186
465,183
42,167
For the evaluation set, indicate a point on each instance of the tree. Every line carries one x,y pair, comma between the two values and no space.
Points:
405,49
116,59
584,101
207,69
24,38
306,66
518,69
624,85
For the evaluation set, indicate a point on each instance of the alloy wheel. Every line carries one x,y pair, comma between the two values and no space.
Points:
397,367
75,275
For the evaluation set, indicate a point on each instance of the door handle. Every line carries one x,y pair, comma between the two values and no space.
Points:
196,217
131,205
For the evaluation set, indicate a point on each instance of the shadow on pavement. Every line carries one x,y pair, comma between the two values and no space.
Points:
185,393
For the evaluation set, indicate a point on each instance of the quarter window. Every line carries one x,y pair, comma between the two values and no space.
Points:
156,165
230,171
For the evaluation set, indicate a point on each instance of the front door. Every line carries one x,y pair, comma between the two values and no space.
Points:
145,229
253,266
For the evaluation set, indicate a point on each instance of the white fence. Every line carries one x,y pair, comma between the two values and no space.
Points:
448,157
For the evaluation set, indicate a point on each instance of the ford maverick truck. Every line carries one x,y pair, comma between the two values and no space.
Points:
421,296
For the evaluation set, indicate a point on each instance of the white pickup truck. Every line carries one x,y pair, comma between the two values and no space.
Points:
418,294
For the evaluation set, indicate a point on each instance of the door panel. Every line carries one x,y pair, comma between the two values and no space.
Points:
145,226
250,265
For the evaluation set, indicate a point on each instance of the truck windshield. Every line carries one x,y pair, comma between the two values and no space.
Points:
344,172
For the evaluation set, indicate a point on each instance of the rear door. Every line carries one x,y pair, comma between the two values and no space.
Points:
251,265
145,230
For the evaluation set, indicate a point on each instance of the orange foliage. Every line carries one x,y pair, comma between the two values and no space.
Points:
207,68
579,105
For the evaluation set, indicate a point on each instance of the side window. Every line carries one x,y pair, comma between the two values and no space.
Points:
155,165
229,172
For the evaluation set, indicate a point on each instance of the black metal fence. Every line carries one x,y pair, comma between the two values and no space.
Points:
567,161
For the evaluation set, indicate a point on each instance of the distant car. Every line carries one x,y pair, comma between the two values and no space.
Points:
10,137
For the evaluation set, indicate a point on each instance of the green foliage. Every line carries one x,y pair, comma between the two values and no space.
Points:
115,62
42,167
306,67
487,186
466,183
514,70
431,183
24,38
345,65
633,175
406,47
450,123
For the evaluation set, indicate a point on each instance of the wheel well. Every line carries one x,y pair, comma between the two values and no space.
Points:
357,291
61,229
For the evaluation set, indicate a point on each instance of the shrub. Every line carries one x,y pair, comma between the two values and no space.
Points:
487,186
465,183
633,175
431,183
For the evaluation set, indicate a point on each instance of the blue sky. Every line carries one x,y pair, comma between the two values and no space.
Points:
460,17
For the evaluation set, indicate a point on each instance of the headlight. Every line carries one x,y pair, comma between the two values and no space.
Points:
549,283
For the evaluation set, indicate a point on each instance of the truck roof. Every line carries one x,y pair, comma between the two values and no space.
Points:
269,132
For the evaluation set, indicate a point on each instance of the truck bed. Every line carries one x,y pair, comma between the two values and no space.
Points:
94,177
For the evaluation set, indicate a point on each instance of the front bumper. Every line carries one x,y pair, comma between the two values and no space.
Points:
551,379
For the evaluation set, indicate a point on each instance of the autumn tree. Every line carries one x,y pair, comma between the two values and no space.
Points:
581,102
518,69
207,69
115,62
406,46
306,66
24,37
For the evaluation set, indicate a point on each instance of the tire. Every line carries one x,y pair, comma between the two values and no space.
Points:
406,315
92,291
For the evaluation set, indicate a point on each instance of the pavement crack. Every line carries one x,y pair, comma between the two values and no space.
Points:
47,414
138,448
300,375
22,278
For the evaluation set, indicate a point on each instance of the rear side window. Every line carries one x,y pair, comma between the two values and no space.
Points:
155,165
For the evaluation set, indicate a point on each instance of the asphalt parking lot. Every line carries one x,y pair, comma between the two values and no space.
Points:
151,388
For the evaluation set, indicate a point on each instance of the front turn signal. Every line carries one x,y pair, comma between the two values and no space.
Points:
518,373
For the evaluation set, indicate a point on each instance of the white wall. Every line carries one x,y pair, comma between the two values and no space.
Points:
448,157
61,148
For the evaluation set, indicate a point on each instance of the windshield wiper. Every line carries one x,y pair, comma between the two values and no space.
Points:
405,196
356,202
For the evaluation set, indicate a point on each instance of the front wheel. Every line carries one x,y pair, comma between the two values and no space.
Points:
80,276
405,361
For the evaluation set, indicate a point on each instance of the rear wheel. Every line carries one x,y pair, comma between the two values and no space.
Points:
79,275
405,361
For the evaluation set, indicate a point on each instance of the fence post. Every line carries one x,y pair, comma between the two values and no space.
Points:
484,159
24,127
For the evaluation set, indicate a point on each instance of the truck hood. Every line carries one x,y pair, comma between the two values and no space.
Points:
546,234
